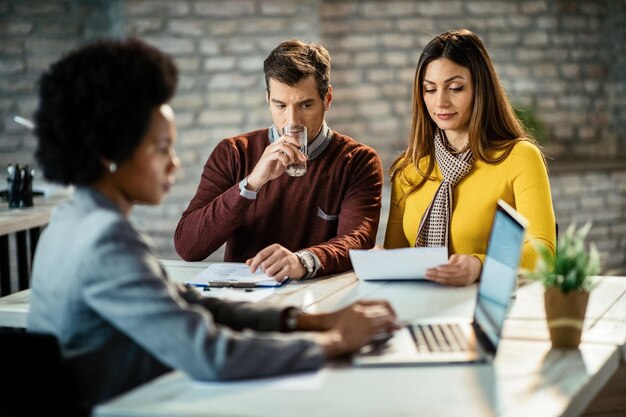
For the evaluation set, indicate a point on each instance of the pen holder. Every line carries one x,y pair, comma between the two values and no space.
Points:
20,186
26,196
14,185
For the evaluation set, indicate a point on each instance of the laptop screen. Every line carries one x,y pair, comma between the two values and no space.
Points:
499,273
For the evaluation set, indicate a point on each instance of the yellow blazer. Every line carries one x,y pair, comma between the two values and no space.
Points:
521,180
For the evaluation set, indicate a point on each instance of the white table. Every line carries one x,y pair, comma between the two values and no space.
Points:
19,221
309,295
605,318
605,323
14,308
527,378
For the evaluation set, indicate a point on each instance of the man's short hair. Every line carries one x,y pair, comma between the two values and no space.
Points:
293,60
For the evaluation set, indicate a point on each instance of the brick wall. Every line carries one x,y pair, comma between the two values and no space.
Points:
597,195
564,59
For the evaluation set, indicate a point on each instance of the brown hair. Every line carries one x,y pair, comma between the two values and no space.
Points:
493,124
293,60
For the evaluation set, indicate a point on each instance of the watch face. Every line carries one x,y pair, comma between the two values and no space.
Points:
306,261
292,321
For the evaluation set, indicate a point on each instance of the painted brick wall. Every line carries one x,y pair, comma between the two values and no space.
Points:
564,59
598,196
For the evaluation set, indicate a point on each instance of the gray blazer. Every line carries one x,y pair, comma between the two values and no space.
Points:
99,288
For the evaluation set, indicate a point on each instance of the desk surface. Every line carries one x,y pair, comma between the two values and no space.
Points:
316,295
16,220
605,318
527,378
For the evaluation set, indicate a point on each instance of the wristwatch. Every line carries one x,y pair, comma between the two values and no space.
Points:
307,261
291,321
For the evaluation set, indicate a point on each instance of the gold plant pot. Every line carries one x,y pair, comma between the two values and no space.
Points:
565,313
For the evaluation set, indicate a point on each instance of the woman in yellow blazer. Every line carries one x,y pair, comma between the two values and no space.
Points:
467,149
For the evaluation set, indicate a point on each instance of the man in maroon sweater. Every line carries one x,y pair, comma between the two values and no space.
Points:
296,227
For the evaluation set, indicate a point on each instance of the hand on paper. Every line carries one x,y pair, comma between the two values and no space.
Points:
277,262
273,162
460,270
357,325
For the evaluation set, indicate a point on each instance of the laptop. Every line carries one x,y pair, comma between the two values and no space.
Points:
448,341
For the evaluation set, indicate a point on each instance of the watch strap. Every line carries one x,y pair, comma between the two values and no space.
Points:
309,262
290,323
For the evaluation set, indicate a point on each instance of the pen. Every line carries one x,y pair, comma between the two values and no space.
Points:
230,284
207,288
270,283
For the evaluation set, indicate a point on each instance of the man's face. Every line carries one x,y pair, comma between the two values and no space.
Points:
300,103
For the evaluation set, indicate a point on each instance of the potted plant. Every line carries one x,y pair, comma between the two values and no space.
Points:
566,277
531,123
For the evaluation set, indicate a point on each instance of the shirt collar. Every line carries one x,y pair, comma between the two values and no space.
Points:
318,145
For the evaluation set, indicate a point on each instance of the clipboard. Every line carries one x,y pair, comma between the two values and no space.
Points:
233,275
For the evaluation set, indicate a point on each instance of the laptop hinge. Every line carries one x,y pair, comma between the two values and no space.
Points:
484,341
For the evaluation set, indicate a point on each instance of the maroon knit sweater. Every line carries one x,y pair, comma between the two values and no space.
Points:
333,208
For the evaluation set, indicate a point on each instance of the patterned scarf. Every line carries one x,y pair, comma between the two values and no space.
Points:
435,224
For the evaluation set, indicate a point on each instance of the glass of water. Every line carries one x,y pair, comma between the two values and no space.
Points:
298,132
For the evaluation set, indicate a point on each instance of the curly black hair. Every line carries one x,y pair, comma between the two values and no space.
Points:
95,104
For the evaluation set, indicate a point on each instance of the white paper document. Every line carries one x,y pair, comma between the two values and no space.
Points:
251,295
232,274
303,381
396,264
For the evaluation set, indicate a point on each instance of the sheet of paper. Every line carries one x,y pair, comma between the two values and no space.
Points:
232,272
303,381
252,295
396,264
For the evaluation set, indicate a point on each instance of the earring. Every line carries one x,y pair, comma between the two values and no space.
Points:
112,167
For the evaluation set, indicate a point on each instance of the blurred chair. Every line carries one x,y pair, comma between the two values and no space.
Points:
33,381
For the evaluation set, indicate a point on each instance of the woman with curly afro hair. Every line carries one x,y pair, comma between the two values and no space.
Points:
104,125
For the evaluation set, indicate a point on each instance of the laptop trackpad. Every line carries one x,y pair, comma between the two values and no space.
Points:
400,346
402,350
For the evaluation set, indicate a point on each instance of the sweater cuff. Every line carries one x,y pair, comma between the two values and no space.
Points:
244,192
480,257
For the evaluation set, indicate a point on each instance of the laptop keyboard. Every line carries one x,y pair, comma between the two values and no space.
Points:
439,338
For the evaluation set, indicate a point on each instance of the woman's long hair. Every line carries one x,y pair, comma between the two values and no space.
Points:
493,124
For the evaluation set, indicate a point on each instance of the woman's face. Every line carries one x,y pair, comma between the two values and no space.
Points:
149,174
449,96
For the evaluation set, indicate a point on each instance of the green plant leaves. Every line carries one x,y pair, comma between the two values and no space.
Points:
572,265
531,123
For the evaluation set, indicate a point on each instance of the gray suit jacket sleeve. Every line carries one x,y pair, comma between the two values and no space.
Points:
127,287
237,315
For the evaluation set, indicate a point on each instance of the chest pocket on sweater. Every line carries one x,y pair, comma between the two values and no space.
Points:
327,217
